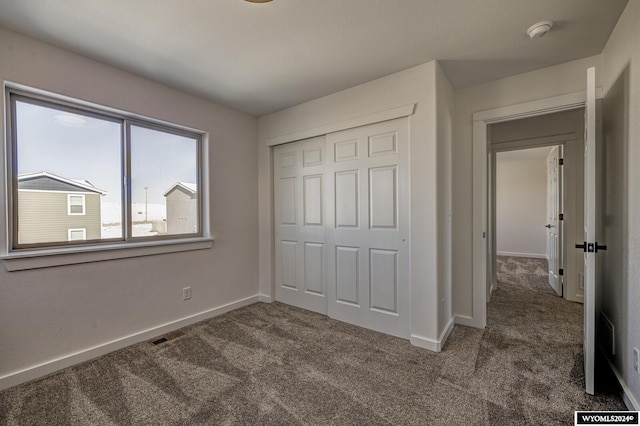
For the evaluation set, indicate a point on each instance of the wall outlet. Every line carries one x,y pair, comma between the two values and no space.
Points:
186,293
636,360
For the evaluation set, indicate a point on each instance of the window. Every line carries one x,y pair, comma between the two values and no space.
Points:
77,234
76,204
86,173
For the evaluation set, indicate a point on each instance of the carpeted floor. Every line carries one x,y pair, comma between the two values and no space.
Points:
270,364
524,271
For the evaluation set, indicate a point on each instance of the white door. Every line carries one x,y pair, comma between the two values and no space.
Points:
300,250
590,230
368,224
554,225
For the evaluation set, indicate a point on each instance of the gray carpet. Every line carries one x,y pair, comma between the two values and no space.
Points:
272,364
524,271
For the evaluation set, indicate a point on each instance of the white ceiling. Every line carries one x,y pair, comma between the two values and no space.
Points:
260,58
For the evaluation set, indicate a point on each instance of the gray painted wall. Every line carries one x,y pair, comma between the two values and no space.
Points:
53,314
619,289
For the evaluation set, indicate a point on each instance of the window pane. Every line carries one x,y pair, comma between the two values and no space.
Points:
164,179
76,204
61,153
77,234
75,209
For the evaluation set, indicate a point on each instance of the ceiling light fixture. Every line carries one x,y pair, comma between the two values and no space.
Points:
539,29
258,1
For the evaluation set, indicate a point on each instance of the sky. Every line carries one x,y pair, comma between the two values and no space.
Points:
83,147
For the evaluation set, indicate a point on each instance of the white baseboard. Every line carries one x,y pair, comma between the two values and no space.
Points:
431,344
48,367
466,321
629,399
264,298
516,254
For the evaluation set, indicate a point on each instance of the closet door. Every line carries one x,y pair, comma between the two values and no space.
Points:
368,227
299,200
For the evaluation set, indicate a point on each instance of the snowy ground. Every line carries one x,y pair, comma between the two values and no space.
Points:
138,229
112,217
112,212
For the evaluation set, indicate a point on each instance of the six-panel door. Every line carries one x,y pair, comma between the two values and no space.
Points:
368,238
342,225
300,224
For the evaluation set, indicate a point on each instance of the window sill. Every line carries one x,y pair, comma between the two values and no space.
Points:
35,259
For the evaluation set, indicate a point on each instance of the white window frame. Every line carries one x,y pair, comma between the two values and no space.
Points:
84,205
16,258
72,230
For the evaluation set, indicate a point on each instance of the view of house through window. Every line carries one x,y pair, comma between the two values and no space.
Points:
163,182
72,176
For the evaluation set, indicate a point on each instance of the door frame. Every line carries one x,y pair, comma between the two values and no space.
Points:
482,258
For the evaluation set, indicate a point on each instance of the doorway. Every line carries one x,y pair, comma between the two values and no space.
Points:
544,213
528,202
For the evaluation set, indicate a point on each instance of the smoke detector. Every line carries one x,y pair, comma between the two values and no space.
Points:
539,29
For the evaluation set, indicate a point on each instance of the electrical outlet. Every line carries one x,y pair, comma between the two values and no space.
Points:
186,293
636,360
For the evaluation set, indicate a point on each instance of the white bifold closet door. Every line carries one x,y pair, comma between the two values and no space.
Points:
342,225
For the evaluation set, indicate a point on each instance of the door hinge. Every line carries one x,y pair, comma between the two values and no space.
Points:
561,161
561,216
561,271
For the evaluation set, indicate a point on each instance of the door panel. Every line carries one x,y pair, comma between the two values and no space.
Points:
347,266
346,201
299,203
368,227
383,277
590,231
554,225
382,197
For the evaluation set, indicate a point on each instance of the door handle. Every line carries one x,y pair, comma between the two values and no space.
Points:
591,247
547,225
600,247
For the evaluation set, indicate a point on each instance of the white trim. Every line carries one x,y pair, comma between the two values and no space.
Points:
363,120
264,298
430,344
71,182
47,191
464,320
541,106
45,258
84,234
84,205
481,120
515,254
48,367
182,185
627,396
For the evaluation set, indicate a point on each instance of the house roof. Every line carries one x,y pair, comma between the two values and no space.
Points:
191,188
45,181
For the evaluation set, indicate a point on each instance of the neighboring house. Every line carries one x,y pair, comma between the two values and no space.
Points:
182,208
52,208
